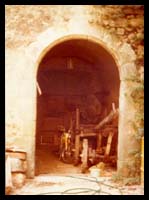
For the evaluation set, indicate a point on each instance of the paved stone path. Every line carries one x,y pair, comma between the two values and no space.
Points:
74,185
57,178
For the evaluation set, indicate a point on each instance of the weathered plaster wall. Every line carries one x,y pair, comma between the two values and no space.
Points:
124,22
32,30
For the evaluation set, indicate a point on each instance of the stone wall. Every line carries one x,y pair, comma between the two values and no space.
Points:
124,22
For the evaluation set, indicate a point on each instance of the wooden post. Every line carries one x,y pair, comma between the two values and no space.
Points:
113,107
99,141
77,119
77,149
109,141
84,158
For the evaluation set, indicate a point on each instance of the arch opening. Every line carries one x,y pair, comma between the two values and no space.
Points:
76,73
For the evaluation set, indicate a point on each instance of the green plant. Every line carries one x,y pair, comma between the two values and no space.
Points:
131,181
125,180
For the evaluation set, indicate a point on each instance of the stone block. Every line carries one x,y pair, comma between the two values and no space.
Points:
128,70
129,55
136,22
18,165
18,155
8,190
18,179
120,31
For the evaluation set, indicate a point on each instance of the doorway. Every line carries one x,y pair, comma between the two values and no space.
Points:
75,73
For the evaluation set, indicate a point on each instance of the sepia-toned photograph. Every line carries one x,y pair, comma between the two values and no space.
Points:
74,100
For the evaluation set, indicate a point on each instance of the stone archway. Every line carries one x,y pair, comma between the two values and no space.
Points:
124,57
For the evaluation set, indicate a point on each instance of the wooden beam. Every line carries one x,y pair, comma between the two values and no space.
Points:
87,134
109,141
107,119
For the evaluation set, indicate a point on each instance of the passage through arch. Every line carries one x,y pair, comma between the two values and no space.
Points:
74,73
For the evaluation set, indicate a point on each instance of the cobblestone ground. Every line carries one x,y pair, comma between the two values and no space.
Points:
56,178
75,185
